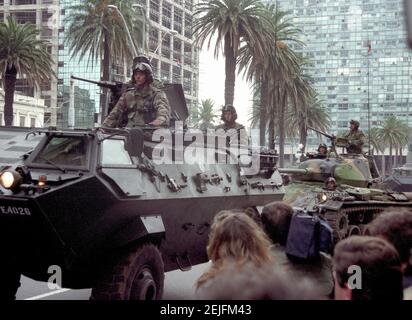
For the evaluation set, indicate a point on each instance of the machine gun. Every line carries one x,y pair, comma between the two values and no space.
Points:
116,90
336,141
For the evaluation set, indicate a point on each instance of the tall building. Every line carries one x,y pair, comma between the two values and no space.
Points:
175,58
359,54
45,15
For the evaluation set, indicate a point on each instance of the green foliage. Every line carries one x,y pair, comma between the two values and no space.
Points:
20,47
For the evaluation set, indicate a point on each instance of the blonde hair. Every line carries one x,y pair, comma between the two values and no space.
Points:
235,239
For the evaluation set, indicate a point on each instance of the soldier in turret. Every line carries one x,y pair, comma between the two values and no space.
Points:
142,103
355,138
229,116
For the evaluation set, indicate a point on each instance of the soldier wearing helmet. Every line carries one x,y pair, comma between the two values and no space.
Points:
322,151
229,117
142,103
330,184
355,138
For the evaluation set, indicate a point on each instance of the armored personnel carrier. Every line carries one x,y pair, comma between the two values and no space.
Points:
400,179
356,198
97,205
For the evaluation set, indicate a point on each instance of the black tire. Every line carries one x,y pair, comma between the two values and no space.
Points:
9,283
138,276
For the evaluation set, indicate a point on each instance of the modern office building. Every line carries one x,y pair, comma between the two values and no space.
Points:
359,54
175,58
45,15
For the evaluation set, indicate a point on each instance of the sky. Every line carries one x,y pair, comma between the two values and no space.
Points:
212,85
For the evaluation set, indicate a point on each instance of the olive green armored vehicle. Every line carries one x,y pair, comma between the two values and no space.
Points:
100,206
353,197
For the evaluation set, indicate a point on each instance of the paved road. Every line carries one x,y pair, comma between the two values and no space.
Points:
178,285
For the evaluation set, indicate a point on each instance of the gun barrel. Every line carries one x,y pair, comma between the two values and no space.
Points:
293,171
321,132
105,84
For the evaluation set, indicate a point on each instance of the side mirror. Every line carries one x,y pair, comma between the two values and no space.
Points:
135,141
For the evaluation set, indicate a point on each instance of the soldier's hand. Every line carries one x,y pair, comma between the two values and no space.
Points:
156,123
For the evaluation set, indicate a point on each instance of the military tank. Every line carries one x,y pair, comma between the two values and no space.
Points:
355,200
96,205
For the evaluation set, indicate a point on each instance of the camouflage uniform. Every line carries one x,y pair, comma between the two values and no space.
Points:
141,106
356,139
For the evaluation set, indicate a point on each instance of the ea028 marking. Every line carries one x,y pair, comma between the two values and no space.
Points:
15,207
13,210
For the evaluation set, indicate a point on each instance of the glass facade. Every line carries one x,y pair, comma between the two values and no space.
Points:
87,94
358,50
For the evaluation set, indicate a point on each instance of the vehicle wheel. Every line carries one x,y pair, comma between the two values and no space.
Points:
339,223
138,276
9,283
354,231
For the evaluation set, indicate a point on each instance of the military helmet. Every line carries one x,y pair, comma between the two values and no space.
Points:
322,145
330,179
355,122
141,58
229,108
144,68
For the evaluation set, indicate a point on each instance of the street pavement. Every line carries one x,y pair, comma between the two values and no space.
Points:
178,286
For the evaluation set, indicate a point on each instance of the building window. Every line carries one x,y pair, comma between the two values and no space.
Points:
188,26
23,87
1,119
178,20
21,2
22,122
32,122
166,46
189,5
153,39
176,74
154,11
165,71
187,81
23,17
177,50
45,16
188,54
167,15
155,67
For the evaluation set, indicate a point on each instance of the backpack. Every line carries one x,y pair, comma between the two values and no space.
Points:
308,235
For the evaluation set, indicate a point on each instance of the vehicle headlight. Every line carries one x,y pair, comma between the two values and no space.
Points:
322,197
10,179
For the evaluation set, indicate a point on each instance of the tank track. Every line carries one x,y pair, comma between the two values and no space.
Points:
353,220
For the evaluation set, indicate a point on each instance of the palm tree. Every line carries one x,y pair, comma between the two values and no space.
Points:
233,22
262,70
98,32
308,114
207,114
23,54
393,133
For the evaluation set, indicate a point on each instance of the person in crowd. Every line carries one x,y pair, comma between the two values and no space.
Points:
234,240
355,137
395,225
367,268
258,283
276,219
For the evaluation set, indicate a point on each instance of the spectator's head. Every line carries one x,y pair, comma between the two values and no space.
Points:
276,219
395,225
367,268
257,283
236,237
254,214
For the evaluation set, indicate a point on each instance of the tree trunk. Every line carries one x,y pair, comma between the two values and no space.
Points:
396,157
230,70
390,157
383,165
401,156
9,87
303,133
105,75
281,117
263,112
